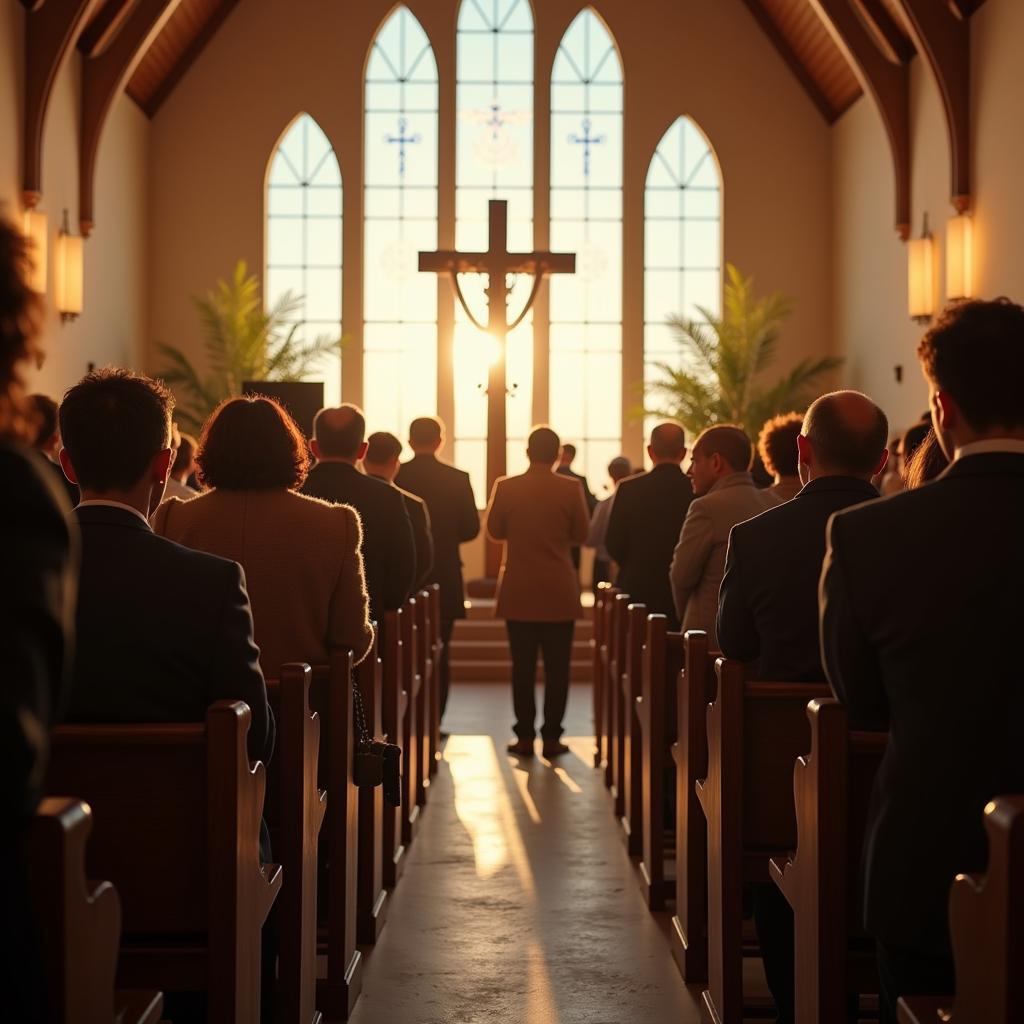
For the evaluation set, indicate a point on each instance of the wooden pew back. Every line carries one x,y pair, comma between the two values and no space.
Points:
597,669
412,681
425,670
437,649
618,655
393,706
607,653
631,688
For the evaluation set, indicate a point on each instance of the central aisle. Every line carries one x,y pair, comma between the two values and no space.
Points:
518,903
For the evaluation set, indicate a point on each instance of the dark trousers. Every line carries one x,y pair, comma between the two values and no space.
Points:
554,641
903,972
445,673
773,917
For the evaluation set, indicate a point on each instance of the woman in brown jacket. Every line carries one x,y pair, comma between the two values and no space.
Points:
302,557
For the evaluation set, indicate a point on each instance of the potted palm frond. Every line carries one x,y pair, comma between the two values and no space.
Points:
242,341
720,377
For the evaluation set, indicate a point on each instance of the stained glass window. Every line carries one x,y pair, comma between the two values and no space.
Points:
586,218
303,247
682,239
400,304
494,160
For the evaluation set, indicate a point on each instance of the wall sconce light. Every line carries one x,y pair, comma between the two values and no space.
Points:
34,229
68,272
920,292
959,256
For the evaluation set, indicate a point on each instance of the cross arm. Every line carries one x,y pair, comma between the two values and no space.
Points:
451,262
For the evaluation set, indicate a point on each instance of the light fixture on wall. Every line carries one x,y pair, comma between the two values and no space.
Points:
920,290
34,229
68,272
959,256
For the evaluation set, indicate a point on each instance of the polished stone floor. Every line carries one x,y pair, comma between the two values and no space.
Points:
518,902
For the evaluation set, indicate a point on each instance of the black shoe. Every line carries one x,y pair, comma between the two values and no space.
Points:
523,748
556,749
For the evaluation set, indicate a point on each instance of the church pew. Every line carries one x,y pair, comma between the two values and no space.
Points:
393,706
294,811
606,652
78,923
425,670
437,645
371,896
412,681
656,714
987,930
618,654
340,964
632,765
177,811
695,689
597,668
821,880
755,731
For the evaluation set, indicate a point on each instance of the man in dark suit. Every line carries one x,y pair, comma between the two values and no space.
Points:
768,602
920,617
646,518
381,462
389,550
162,631
454,520
566,456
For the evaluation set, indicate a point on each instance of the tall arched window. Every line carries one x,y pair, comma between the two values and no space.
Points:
303,246
586,218
400,305
682,239
494,160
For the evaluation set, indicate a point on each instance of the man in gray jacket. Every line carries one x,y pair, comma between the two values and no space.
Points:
724,496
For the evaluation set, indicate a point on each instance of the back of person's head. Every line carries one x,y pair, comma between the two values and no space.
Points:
776,444
911,438
927,462
425,433
184,461
668,443
382,448
975,353
113,423
543,446
619,468
568,453
43,413
339,433
251,443
729,442
21,317
848,433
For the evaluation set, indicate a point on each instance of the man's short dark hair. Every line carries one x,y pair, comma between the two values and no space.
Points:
619,468
975,352
729,441
568,451
543,445
776,444
252,443
340,432
382,447
113,423
43,412
848,432
425,430
668,441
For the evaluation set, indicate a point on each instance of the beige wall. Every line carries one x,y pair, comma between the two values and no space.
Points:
872,327
111,328
211,140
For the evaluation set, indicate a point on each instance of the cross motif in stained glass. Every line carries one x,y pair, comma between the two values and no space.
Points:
403,139
495,145
586,140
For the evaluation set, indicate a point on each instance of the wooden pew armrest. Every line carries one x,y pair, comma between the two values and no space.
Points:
701,789
675,752
778,871
924,1009
134,1006
273,876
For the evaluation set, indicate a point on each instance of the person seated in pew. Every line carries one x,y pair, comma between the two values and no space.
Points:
768,603
389,548
161,631
926,464
381,462
920,608
43,411
183,467
776,444
37,606
301,556
725,495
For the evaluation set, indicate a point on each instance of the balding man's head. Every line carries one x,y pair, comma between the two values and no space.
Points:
338,433
668,443
844,434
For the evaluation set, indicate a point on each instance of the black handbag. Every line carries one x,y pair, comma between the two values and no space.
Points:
376,762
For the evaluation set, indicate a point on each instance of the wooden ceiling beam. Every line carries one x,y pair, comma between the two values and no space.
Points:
103,79
51,32
944,40
104,27
898,47
888,85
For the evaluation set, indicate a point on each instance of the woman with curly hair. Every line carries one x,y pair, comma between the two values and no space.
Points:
302,557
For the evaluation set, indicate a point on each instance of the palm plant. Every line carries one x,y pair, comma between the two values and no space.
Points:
724,359
242,341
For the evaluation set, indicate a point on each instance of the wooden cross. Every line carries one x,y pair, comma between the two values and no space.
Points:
496,263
